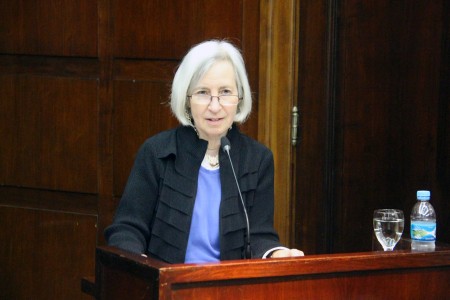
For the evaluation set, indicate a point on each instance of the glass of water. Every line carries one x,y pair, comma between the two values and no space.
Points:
388,226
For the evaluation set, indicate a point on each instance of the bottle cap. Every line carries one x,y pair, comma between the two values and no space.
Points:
423,195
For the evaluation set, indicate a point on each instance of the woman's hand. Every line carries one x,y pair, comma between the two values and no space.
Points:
287,253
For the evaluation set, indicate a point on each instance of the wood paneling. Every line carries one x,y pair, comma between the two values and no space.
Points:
388,78
146,104
48,27
313,151
82,85
278,94
167,29
49,125
87,68
44,254
374,110
48,200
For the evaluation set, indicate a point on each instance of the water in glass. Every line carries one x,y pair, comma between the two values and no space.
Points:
388,226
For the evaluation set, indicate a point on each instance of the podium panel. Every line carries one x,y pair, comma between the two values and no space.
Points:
370,275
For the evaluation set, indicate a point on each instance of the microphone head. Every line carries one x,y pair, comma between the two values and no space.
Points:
225,143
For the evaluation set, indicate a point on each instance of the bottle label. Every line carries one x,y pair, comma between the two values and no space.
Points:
423,231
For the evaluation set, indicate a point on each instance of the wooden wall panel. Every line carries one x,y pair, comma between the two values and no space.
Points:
250,47
45,253
167,29
7,132
82,85
49,136
389,119
277,96
49,27
312,187
373,102
142,110
50,127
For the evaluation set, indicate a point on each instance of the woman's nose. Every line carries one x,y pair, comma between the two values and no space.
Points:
215,105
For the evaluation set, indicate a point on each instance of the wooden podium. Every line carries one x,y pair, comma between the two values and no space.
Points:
371,275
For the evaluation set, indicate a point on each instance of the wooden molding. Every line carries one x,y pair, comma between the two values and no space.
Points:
277,95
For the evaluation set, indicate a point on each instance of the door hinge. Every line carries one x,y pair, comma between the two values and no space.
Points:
294,126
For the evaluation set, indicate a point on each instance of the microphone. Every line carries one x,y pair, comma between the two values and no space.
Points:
226,146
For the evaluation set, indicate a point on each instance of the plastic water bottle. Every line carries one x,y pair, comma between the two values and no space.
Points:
423,223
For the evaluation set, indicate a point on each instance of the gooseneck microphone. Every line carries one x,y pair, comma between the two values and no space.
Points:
226,146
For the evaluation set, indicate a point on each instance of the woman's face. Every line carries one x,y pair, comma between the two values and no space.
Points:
212,119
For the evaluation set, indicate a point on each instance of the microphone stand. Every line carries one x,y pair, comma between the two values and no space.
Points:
226,148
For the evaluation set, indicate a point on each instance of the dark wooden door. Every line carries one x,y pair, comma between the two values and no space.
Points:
374,107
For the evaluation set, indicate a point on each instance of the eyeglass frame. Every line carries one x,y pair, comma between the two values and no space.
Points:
218,98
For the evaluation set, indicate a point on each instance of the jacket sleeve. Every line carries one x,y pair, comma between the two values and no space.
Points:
130,229
261,207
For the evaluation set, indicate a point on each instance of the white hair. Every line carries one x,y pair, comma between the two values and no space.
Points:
195,64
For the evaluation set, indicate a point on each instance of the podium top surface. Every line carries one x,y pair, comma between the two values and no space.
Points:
257,268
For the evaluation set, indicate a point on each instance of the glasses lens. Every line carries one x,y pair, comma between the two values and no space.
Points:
225,100
229,100
201,98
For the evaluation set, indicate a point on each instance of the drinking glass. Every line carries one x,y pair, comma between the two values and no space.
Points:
388,226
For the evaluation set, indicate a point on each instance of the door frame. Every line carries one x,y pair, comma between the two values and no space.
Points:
277,95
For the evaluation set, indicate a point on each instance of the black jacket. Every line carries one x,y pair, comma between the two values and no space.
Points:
155,212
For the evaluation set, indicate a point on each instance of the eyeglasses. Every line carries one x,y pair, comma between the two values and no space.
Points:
224,100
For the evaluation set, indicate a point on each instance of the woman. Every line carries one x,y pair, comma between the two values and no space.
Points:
181,202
